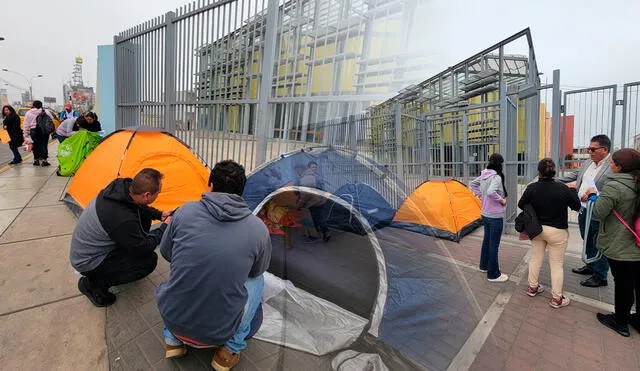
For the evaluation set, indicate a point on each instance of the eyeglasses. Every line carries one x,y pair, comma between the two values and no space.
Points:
592,149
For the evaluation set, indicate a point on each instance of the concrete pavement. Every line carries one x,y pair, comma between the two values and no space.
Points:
46,323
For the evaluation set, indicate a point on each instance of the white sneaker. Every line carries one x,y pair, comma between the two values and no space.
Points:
481,270
503,278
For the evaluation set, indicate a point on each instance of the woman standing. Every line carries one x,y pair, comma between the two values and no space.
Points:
12,125
549,199
490,188
40,141
620,196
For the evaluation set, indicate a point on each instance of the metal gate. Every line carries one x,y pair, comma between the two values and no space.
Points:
587,112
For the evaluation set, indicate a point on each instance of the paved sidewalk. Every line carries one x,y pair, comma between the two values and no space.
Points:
46,323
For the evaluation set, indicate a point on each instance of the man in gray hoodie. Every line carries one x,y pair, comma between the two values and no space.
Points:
218,251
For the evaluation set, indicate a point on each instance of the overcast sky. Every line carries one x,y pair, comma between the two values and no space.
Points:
592,42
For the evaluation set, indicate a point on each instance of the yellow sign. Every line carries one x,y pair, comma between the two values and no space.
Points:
79,60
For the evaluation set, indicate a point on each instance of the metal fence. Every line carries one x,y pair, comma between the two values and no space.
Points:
631,115
251,79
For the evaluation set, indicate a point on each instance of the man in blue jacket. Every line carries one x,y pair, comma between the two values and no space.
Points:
218,251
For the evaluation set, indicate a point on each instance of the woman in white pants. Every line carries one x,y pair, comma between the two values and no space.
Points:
549,200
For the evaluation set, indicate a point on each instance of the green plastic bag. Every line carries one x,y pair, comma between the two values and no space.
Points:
73,151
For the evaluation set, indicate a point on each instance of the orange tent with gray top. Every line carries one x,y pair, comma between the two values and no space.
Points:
125,152
441,208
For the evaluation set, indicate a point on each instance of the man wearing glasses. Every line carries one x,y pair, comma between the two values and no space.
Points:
593,173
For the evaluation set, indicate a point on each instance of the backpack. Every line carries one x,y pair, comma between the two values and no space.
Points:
44,124
636,227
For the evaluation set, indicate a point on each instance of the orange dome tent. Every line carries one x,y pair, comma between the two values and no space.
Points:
441,208
125,152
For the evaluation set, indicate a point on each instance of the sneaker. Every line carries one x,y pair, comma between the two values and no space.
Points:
326,236
483,270
224,360
36,163
533,291
503,278
14,162
45,163
611,322
99,298
311,239
559,302
173,347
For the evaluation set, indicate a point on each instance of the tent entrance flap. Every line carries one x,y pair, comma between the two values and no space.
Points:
298,320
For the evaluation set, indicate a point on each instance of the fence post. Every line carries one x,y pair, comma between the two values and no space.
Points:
465,148
555,119
624,141
116,80
613,116
398,138
268,61
170,53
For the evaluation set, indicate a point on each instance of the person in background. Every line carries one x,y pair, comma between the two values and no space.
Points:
92,123
549,200
66,129
594,171
490,188
68,112
11,123
40,141
621,196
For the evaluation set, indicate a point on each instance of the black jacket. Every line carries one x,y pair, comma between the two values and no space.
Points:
12,123
82,123
550,199
126,223
527,222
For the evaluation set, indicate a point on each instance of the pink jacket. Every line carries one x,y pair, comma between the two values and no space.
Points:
30,122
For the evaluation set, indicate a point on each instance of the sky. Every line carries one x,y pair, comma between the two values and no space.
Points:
592,42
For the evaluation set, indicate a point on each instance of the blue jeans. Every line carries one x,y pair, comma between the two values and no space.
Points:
600,266
249,323
490,243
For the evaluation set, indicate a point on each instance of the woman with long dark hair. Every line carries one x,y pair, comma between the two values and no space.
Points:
619,204
490,188
550,200
11,123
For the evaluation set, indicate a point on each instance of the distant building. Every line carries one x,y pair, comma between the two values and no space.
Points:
82,97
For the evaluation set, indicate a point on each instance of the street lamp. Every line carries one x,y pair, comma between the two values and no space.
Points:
30,81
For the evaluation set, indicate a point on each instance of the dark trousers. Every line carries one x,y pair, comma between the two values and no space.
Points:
120,267
490,244
319,217
16,153
626,275
600,266
40,146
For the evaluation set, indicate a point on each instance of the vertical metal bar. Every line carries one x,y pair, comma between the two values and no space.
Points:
555,117
268,61
170,73
613,115
503,116
117,70
624,142
398,140
465,148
